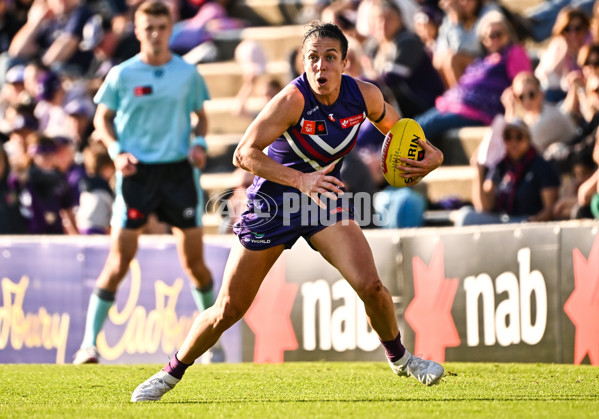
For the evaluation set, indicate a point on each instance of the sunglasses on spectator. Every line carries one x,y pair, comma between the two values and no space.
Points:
496,35
573,28
513,136
527,95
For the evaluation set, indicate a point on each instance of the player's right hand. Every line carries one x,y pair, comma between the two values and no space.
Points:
126,163
315,183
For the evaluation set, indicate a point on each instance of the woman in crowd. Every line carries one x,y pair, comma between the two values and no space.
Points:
476,99
570,33
522,187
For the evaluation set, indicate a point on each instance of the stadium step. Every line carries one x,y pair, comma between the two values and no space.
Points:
273,12
458,145
224,79
449,181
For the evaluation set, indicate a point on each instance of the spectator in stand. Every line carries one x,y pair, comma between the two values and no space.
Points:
11,221
588,192
97,197
31,75
195,35
476,99
522,187
584,110
50,106
576,101
9,26
252,59
570,33
12,95
78,124
551,128
64,161
458,43
23,127
542,18
548,123
427,21
45,198
568,207
400,60
54,32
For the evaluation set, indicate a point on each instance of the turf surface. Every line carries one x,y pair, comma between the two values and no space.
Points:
303,390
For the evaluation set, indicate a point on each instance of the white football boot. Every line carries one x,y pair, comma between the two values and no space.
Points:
154,387
87,356
427,372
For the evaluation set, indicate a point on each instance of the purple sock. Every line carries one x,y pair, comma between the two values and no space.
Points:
394,348
175,367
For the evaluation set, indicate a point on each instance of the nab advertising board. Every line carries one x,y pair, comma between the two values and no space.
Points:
528,293
519,293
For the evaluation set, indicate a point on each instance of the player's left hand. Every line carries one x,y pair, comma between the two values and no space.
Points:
433,158
197,156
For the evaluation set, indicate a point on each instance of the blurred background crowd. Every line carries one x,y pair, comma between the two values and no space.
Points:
531,77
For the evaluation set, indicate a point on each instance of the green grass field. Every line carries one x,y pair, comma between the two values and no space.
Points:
303,390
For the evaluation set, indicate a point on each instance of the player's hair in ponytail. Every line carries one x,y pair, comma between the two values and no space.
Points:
326,30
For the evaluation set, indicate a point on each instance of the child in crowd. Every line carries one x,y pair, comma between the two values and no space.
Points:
96,195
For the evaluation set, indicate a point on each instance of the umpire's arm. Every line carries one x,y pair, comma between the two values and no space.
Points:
197,153
104,124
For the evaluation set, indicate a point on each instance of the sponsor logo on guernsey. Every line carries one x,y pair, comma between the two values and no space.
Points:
142,90
351,121
314,128
311,111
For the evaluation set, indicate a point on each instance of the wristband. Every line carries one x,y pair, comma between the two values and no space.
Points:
201,141
114,149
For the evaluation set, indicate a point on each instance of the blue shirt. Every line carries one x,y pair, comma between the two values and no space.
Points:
153,106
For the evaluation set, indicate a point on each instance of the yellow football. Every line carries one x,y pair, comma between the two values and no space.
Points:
401,141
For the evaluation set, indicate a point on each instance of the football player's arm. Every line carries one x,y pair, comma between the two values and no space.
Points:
384,116
282,112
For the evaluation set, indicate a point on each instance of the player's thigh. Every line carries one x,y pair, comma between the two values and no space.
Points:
344,246
244,273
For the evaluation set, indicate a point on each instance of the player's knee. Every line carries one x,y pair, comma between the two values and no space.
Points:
117,266
371,290
200,274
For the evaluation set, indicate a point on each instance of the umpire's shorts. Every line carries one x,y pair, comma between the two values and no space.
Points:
170,190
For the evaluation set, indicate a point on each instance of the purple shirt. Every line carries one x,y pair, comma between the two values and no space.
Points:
323,135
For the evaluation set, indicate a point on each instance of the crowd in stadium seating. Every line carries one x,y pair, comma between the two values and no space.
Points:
446,63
